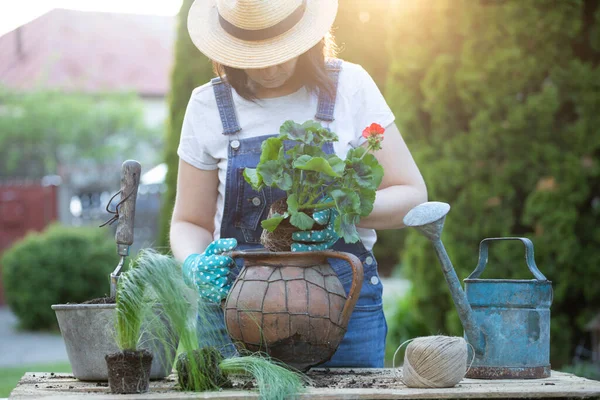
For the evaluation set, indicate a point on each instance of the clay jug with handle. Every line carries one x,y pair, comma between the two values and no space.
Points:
291,305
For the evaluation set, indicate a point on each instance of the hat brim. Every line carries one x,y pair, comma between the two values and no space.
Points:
218,45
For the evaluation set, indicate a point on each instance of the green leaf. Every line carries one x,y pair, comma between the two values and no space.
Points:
346,201
321,134
312,125
253,178
270,149
317,164
313,180
284,181
272,223
302,221
291,130
345,227
376,169
328,136
269,171
337,164
366,173
305,149
367,198
355,153
360,175
292,202
274,175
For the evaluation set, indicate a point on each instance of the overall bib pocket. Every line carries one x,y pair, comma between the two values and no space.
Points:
250,209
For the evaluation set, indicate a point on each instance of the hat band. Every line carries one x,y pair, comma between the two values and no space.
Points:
267,33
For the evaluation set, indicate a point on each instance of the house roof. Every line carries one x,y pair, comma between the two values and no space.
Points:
90,52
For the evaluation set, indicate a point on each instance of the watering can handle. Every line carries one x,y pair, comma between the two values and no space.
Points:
355,264
529,259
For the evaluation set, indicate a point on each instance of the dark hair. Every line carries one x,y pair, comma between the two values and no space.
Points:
310,70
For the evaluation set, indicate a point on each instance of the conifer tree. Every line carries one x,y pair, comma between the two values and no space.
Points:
499,102
190,70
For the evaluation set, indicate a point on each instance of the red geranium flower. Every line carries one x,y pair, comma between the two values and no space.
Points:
373,130
374,135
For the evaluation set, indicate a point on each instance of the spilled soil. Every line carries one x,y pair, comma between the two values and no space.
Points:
333,379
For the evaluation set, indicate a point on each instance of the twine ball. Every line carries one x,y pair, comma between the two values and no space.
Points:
435,362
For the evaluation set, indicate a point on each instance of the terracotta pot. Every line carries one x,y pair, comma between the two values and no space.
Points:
291,305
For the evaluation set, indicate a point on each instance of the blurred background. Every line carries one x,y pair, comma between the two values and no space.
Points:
498,100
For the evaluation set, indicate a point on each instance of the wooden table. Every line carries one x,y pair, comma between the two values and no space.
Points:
327,384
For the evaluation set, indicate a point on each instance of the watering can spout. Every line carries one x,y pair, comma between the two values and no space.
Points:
428,218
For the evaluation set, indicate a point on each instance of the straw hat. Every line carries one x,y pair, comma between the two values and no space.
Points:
258,33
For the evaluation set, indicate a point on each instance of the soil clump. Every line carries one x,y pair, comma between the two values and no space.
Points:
101,300
281,238
205,362
129,371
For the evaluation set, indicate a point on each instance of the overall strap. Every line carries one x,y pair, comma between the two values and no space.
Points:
326,104
226,107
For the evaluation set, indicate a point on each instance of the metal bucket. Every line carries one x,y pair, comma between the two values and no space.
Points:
89,334
514,315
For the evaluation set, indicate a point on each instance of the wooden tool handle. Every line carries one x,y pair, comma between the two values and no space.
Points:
130,180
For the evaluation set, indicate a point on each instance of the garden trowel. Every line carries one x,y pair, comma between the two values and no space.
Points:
124,214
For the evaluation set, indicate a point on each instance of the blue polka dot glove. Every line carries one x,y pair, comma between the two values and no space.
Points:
317,240
209,271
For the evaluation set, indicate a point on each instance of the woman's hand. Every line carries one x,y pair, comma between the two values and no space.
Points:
209,271
317,240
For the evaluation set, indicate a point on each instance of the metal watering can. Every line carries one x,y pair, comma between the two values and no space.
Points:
507,321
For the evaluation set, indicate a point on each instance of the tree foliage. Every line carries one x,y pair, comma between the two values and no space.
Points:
42,130
191,69
499,102
361,35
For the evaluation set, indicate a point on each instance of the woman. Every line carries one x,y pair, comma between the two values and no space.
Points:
275,62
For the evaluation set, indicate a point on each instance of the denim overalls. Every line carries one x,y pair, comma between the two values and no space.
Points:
364,343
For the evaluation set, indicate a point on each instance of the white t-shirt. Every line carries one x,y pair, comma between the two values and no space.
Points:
359,103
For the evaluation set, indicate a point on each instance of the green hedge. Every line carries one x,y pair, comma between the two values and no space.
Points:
60,265
499,102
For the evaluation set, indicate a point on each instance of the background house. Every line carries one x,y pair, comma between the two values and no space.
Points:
92,52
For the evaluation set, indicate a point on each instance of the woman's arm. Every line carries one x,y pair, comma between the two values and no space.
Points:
402,187
192,224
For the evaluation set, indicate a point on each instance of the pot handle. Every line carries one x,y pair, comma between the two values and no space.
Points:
529,259
355,264
357,281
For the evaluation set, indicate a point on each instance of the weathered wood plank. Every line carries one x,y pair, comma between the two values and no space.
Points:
385,382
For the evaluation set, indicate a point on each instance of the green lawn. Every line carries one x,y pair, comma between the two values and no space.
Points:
9,377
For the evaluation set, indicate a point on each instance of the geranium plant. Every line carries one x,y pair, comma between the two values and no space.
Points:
294,161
